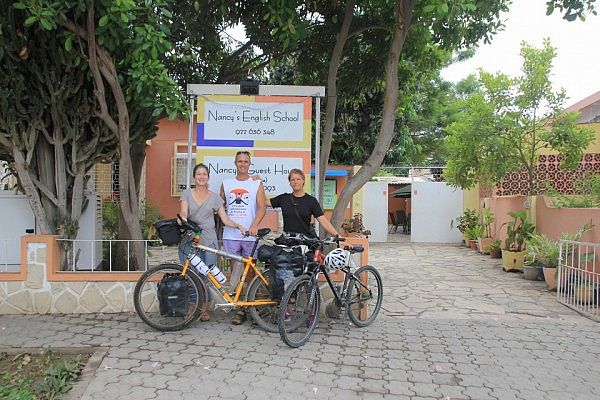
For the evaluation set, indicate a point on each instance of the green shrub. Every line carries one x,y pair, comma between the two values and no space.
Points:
110,220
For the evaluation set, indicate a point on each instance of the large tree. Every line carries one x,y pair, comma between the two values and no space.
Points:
114,50
504,126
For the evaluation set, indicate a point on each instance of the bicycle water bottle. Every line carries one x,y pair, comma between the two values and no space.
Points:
198,264
216,272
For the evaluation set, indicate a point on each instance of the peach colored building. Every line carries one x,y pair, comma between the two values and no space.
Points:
165,171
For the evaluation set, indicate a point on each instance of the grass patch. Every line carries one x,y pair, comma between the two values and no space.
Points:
34,376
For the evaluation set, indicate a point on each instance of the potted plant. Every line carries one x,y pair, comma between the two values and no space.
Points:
494,248
518,231
472,234
544,251
486,220
354,226
468,220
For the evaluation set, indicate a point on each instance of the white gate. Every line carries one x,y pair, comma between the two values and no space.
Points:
434,205
375,210
17,220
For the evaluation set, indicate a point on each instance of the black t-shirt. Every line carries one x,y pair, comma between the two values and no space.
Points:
307,207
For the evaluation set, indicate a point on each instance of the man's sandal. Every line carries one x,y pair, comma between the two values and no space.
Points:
204,317
239,318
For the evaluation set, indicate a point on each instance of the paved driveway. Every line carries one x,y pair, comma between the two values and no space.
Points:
454,326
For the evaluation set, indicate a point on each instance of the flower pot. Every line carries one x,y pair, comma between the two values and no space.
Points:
513,260
484,243
473,244
550,277
495,253
531,272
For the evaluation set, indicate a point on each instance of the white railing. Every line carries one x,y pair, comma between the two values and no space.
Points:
578,281
101,255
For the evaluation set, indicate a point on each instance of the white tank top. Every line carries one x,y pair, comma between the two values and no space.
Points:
240,200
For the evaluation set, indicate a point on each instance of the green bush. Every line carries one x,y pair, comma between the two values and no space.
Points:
110,220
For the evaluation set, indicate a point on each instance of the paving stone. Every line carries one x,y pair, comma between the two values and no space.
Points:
474,333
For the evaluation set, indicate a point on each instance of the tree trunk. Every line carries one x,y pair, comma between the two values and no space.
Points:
31,193
138,156
331,105
103,70
386,132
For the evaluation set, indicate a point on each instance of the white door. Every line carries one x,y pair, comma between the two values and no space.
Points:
375,210
434,205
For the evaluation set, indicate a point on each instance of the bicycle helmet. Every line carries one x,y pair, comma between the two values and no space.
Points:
337,258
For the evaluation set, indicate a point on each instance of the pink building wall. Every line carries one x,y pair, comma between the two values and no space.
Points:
549,221
501,206
553,221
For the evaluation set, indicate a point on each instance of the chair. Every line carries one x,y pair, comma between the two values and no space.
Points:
401,219
394,225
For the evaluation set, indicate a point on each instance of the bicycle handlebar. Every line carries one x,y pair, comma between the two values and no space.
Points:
189,225
310,240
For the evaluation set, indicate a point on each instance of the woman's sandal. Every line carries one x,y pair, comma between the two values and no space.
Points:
239,318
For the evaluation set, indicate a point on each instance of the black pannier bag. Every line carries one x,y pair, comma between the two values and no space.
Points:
265,252
286,264
173,295
169,231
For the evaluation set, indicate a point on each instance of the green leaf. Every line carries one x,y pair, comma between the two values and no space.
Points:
103,21
46,24
19,6
69,43
124,18
30,21
428,8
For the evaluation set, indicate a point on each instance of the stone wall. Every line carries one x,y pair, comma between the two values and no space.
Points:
41,288
37,295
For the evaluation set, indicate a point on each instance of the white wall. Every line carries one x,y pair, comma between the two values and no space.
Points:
433,206
17,217
375,210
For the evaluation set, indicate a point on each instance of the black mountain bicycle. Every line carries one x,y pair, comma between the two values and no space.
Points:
359,296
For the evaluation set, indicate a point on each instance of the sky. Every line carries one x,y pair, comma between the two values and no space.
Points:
576,66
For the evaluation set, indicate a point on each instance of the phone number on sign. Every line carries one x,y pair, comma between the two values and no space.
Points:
255,132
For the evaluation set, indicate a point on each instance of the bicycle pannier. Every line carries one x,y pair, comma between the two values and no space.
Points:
169,231
173,295
265,252
286,263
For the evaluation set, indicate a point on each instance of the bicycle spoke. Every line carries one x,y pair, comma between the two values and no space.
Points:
365,296
299,311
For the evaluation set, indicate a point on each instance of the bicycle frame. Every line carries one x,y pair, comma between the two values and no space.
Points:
319,259
249,263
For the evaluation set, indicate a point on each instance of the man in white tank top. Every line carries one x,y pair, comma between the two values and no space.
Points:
245,201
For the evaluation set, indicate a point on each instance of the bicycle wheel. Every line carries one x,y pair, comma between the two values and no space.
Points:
264,316
365,295
175,312
299,311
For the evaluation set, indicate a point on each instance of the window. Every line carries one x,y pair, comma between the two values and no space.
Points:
178,173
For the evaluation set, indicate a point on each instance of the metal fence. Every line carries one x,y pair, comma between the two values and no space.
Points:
578,280
112,255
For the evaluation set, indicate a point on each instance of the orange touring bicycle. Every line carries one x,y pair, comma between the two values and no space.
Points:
171,296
